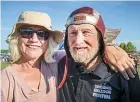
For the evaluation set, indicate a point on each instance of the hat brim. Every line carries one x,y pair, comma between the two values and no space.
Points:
57,35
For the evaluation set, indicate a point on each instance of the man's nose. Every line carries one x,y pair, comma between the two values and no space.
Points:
79,38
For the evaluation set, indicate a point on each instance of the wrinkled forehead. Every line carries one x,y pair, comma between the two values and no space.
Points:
82,27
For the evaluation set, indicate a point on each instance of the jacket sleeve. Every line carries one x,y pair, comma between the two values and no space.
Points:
134,89
130,89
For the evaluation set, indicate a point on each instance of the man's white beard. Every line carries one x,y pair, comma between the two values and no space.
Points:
84,57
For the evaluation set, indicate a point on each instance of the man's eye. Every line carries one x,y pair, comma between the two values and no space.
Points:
86,32
73,32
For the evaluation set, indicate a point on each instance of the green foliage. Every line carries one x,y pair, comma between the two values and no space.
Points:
4,51
128,47
122,45
131,47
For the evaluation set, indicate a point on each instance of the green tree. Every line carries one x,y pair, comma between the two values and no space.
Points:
128,47
122,45
131,47
4,51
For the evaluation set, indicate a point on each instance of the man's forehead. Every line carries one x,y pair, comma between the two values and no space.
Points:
81,26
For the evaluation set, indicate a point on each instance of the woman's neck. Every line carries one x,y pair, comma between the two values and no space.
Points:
29,64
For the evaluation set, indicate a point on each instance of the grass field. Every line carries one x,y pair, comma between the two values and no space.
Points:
3,65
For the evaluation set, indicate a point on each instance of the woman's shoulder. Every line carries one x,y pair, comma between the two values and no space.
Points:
59,54
6,70
7,73
7,85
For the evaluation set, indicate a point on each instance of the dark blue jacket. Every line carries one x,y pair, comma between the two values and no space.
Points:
101,85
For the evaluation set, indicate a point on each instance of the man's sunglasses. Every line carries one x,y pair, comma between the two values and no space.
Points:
28,33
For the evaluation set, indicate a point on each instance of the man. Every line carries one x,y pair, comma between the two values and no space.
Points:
85,77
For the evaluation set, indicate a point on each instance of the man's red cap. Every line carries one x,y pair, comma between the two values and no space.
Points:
87,15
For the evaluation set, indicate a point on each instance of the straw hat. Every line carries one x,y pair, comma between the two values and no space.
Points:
40,19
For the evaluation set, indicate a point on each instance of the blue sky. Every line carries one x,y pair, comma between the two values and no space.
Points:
118,14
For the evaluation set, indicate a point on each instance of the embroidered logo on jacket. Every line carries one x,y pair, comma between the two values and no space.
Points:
102,91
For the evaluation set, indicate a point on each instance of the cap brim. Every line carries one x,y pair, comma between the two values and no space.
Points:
57,35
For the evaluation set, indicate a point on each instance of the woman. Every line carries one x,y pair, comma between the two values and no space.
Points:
29,78
32,75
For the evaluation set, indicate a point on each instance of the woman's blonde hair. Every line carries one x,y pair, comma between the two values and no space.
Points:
15,54
50,50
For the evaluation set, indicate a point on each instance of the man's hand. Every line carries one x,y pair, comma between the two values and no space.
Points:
118,60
